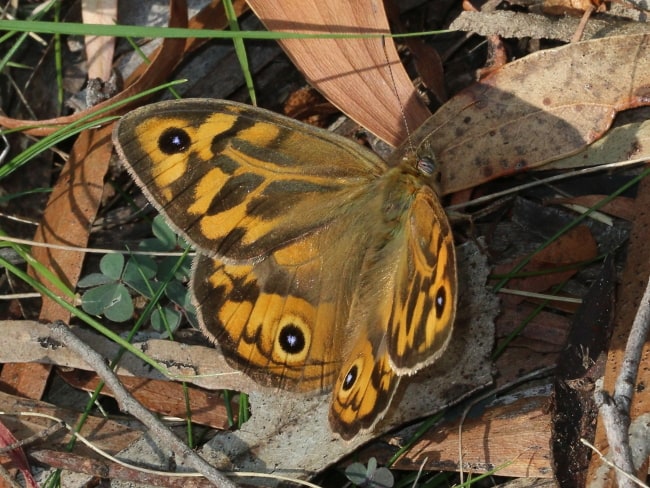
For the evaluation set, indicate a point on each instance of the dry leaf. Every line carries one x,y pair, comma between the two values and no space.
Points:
99,49
625,142
511,24
577,245
352,73
548,105
163,397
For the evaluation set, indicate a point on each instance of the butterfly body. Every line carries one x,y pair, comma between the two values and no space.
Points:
319,267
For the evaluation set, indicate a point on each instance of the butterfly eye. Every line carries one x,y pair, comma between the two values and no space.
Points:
292,339
426,166
174,141
441,301
350,378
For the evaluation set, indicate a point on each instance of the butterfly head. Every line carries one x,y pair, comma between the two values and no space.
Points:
426,166
428,169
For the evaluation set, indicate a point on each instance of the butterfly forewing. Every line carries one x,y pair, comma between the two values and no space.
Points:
238,181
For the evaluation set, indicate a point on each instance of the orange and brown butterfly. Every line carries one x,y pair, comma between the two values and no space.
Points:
318,266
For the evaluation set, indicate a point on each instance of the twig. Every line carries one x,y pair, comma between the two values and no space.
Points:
130,405
615,409
32,438
577,36
633,478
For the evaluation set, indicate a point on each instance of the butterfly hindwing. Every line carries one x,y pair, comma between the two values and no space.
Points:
362,393
404,305
424,305
281,319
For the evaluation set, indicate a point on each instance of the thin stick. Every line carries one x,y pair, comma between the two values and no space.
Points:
130,405
633,478
615,409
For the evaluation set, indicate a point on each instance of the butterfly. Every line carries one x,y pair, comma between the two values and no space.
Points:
319,267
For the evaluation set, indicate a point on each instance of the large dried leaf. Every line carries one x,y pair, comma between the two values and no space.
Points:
543,107
625,142
352,73
70,212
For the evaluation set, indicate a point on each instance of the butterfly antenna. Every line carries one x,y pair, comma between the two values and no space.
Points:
399,100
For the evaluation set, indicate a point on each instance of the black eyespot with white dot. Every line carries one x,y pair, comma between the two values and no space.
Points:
350,378
292,339
441,301
174,141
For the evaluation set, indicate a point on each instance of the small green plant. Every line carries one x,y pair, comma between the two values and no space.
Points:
370,476
110,292
107,295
